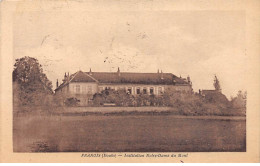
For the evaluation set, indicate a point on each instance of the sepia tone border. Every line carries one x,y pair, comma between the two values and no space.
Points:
252,9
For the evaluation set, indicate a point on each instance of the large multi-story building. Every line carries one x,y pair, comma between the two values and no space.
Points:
83,85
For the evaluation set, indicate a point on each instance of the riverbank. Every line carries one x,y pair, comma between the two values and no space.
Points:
83,111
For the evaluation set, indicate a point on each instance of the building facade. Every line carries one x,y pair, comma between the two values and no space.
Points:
83,85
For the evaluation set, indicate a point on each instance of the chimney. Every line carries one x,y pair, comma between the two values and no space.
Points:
68,77
65,77
158,71
90,72
162,75
57,84
118,71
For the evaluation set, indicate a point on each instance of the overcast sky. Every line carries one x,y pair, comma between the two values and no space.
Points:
199,44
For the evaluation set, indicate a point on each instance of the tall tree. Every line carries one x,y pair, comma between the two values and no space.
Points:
31,83
217,84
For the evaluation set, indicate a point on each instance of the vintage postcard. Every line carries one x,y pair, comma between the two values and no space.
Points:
130,81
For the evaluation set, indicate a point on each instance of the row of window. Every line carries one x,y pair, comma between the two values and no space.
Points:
89,89
85,89
145,90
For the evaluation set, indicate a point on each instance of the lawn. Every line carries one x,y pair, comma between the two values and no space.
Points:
128,133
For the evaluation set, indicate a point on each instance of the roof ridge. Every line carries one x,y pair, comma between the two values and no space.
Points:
128,72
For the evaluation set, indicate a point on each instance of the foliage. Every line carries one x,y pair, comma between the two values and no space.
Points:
216,84
120,98
239,102
28,72
72,101
187,103
31,85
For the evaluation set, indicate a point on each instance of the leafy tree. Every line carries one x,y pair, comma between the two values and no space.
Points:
32,85
240,100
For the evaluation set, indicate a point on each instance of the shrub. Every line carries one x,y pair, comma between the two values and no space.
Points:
72,101
185,102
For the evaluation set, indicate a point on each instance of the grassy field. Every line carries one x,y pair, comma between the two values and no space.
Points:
128,133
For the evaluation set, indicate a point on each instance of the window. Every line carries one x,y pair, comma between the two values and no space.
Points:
89,89
137,90
129,90
160,91
151,90
83,89
77,88
144,90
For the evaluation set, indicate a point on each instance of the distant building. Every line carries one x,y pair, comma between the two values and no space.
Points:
83,85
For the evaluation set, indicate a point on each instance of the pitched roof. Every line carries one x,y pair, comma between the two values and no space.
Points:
126,78
82,77
77,77
136,78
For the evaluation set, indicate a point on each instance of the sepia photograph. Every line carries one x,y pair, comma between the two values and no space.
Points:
140,82
128,81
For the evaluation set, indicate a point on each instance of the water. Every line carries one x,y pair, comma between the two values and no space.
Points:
128,133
